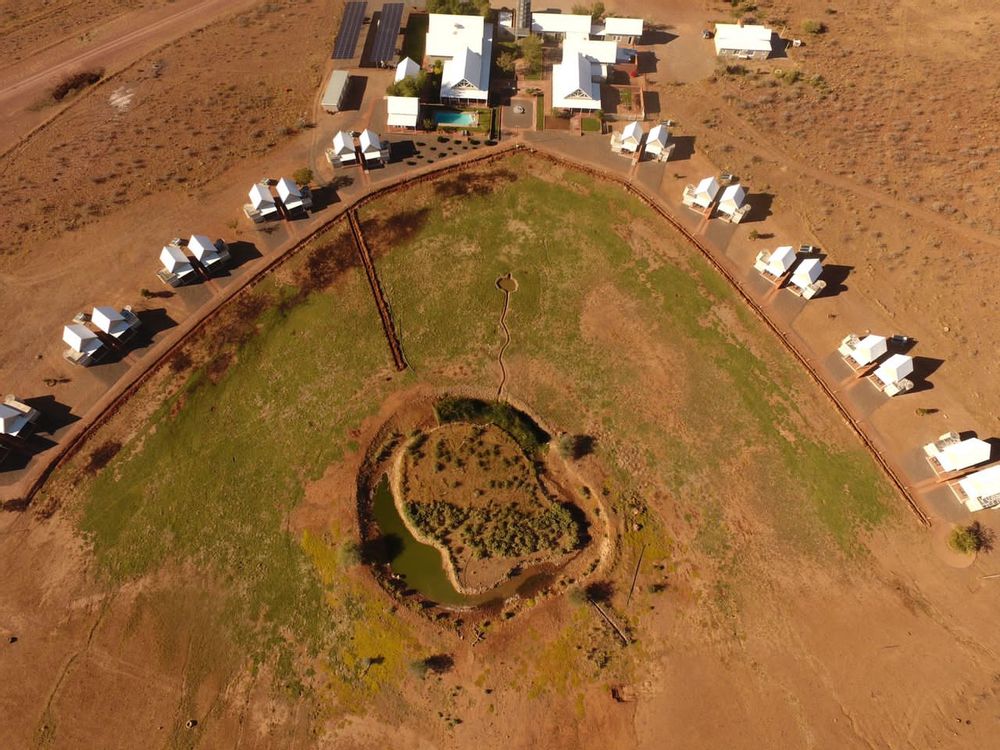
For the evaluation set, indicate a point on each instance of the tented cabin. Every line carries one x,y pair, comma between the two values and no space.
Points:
406,69
343,152
261,205
805,280
119,324
293,197
402,112
658,144
860,353
733,204
209,254
629,140
743,41
84,346
980,490
336,88
775,266
702,195
890,376
176,266
372,149
16,418
949,453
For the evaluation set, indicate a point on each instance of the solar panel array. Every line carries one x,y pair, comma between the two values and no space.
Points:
384,49
350,30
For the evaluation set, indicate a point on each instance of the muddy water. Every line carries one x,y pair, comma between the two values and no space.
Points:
421,566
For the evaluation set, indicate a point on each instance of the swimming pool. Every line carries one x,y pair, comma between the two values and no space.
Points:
456,119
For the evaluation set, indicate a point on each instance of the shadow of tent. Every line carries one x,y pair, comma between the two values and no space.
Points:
835,275
241,252
923,368
760,206
994,448
683,147
154,322
323,196
901,346
401,150
54,415
20,451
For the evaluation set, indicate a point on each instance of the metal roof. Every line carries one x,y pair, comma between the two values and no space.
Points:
386,34
350,30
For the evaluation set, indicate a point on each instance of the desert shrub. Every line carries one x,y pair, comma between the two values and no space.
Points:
302,176
76,82
526,432
972,538
813,27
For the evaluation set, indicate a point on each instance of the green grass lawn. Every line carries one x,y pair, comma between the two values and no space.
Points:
590,125
211,479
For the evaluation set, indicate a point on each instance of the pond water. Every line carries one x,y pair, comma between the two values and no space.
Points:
421,566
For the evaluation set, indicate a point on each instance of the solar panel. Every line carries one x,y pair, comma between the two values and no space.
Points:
388,31
350,30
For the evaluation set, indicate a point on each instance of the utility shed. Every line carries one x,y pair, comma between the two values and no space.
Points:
743,41
627,30
336,87
980,490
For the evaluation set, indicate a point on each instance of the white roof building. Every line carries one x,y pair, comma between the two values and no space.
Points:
606,53
109,320
894,369
573,84
175,261
336,87
622,28
980,490
466,75
371,146
741,40
15,416
949,453
402,111
705,192
562,24
262,200
657,139
780,261
864,351
81,339
406,69
204,250
343,148
290,194
733,198
632,137
447,33
807,272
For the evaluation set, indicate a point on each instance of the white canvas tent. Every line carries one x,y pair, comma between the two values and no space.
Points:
658,144
774,266
372,149
293,198
343,151
862,352
894,369
109,320
949,453
84,346
262,200
805,279
402,111
406,69
206,252
175,261
15,417
631,138
703,194
980,490
732,199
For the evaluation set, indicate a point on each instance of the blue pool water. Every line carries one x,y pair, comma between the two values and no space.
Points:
457,119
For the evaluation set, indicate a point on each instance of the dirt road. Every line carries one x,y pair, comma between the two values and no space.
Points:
110,46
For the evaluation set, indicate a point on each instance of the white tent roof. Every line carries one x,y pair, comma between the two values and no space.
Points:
958,456
733,197
708,187
897,367
370,144
561,23
200,245
980,485
731,36
288,189
781,259
657,139
807,272
174,260
11,420
260,196
406,69
573,86
870,348
632,133
446,33
402,111
108,319
623,26
343,144
81,338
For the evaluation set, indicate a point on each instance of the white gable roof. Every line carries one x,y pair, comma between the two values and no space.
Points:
870,348
11,420
980,485
370,144
446,33
897,367
623,26
201,246
260,196
81,338
174,260
288,189
781,259
708,186
731,36
807,272
964,454
573,86
108,319
599,51
343,143
632,133
406,69
561,23
402,110
733,197
658,137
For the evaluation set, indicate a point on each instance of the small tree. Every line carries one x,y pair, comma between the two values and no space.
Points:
972,538
531,51
302,176
506,61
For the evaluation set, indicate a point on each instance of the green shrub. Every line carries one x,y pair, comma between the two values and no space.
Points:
813,27
971,539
